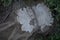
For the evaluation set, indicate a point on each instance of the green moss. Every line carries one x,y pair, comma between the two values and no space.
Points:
55,5
5,2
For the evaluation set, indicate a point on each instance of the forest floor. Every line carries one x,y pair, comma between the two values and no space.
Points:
5,11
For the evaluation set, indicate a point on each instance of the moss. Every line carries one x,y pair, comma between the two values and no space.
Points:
5,2
54,5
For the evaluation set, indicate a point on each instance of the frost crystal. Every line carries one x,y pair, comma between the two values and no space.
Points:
40,12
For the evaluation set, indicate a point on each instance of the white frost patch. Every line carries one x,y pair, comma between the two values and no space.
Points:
43,16
24,19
